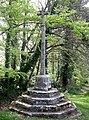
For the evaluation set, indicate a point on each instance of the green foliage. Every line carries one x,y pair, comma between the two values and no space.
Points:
14,14
18,52
77,76
77,81
50,38
19,19
15,81
81,27
63,17
16,10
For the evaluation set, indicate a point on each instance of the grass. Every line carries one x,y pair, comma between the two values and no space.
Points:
81,101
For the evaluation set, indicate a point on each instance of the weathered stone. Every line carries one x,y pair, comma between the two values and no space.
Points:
43,108
49,106
42,94
42,101
70,112
42,82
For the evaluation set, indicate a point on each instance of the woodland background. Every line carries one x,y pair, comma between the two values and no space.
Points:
67,45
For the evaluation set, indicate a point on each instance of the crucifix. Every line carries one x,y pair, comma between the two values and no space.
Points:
42,80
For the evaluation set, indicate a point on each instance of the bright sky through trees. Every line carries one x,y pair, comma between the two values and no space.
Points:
39,3
87,5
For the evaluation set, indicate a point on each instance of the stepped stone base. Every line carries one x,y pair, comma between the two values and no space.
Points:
39,103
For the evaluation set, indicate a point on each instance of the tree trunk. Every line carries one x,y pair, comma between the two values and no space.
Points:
13,61
31,61
67,65
7,51
23,57
58,69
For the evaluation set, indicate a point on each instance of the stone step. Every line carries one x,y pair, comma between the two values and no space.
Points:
42,94
43,108
85,88
87,85
41,101
62,114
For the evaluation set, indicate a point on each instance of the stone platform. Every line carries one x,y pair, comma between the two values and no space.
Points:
49,103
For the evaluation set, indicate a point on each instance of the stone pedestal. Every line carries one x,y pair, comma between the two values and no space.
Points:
42,82
45,103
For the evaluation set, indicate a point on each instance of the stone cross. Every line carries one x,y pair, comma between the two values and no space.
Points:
42,80
42,70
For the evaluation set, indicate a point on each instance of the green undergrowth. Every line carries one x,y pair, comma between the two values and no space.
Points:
81,101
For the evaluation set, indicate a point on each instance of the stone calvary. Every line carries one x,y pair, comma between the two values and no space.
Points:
42,100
